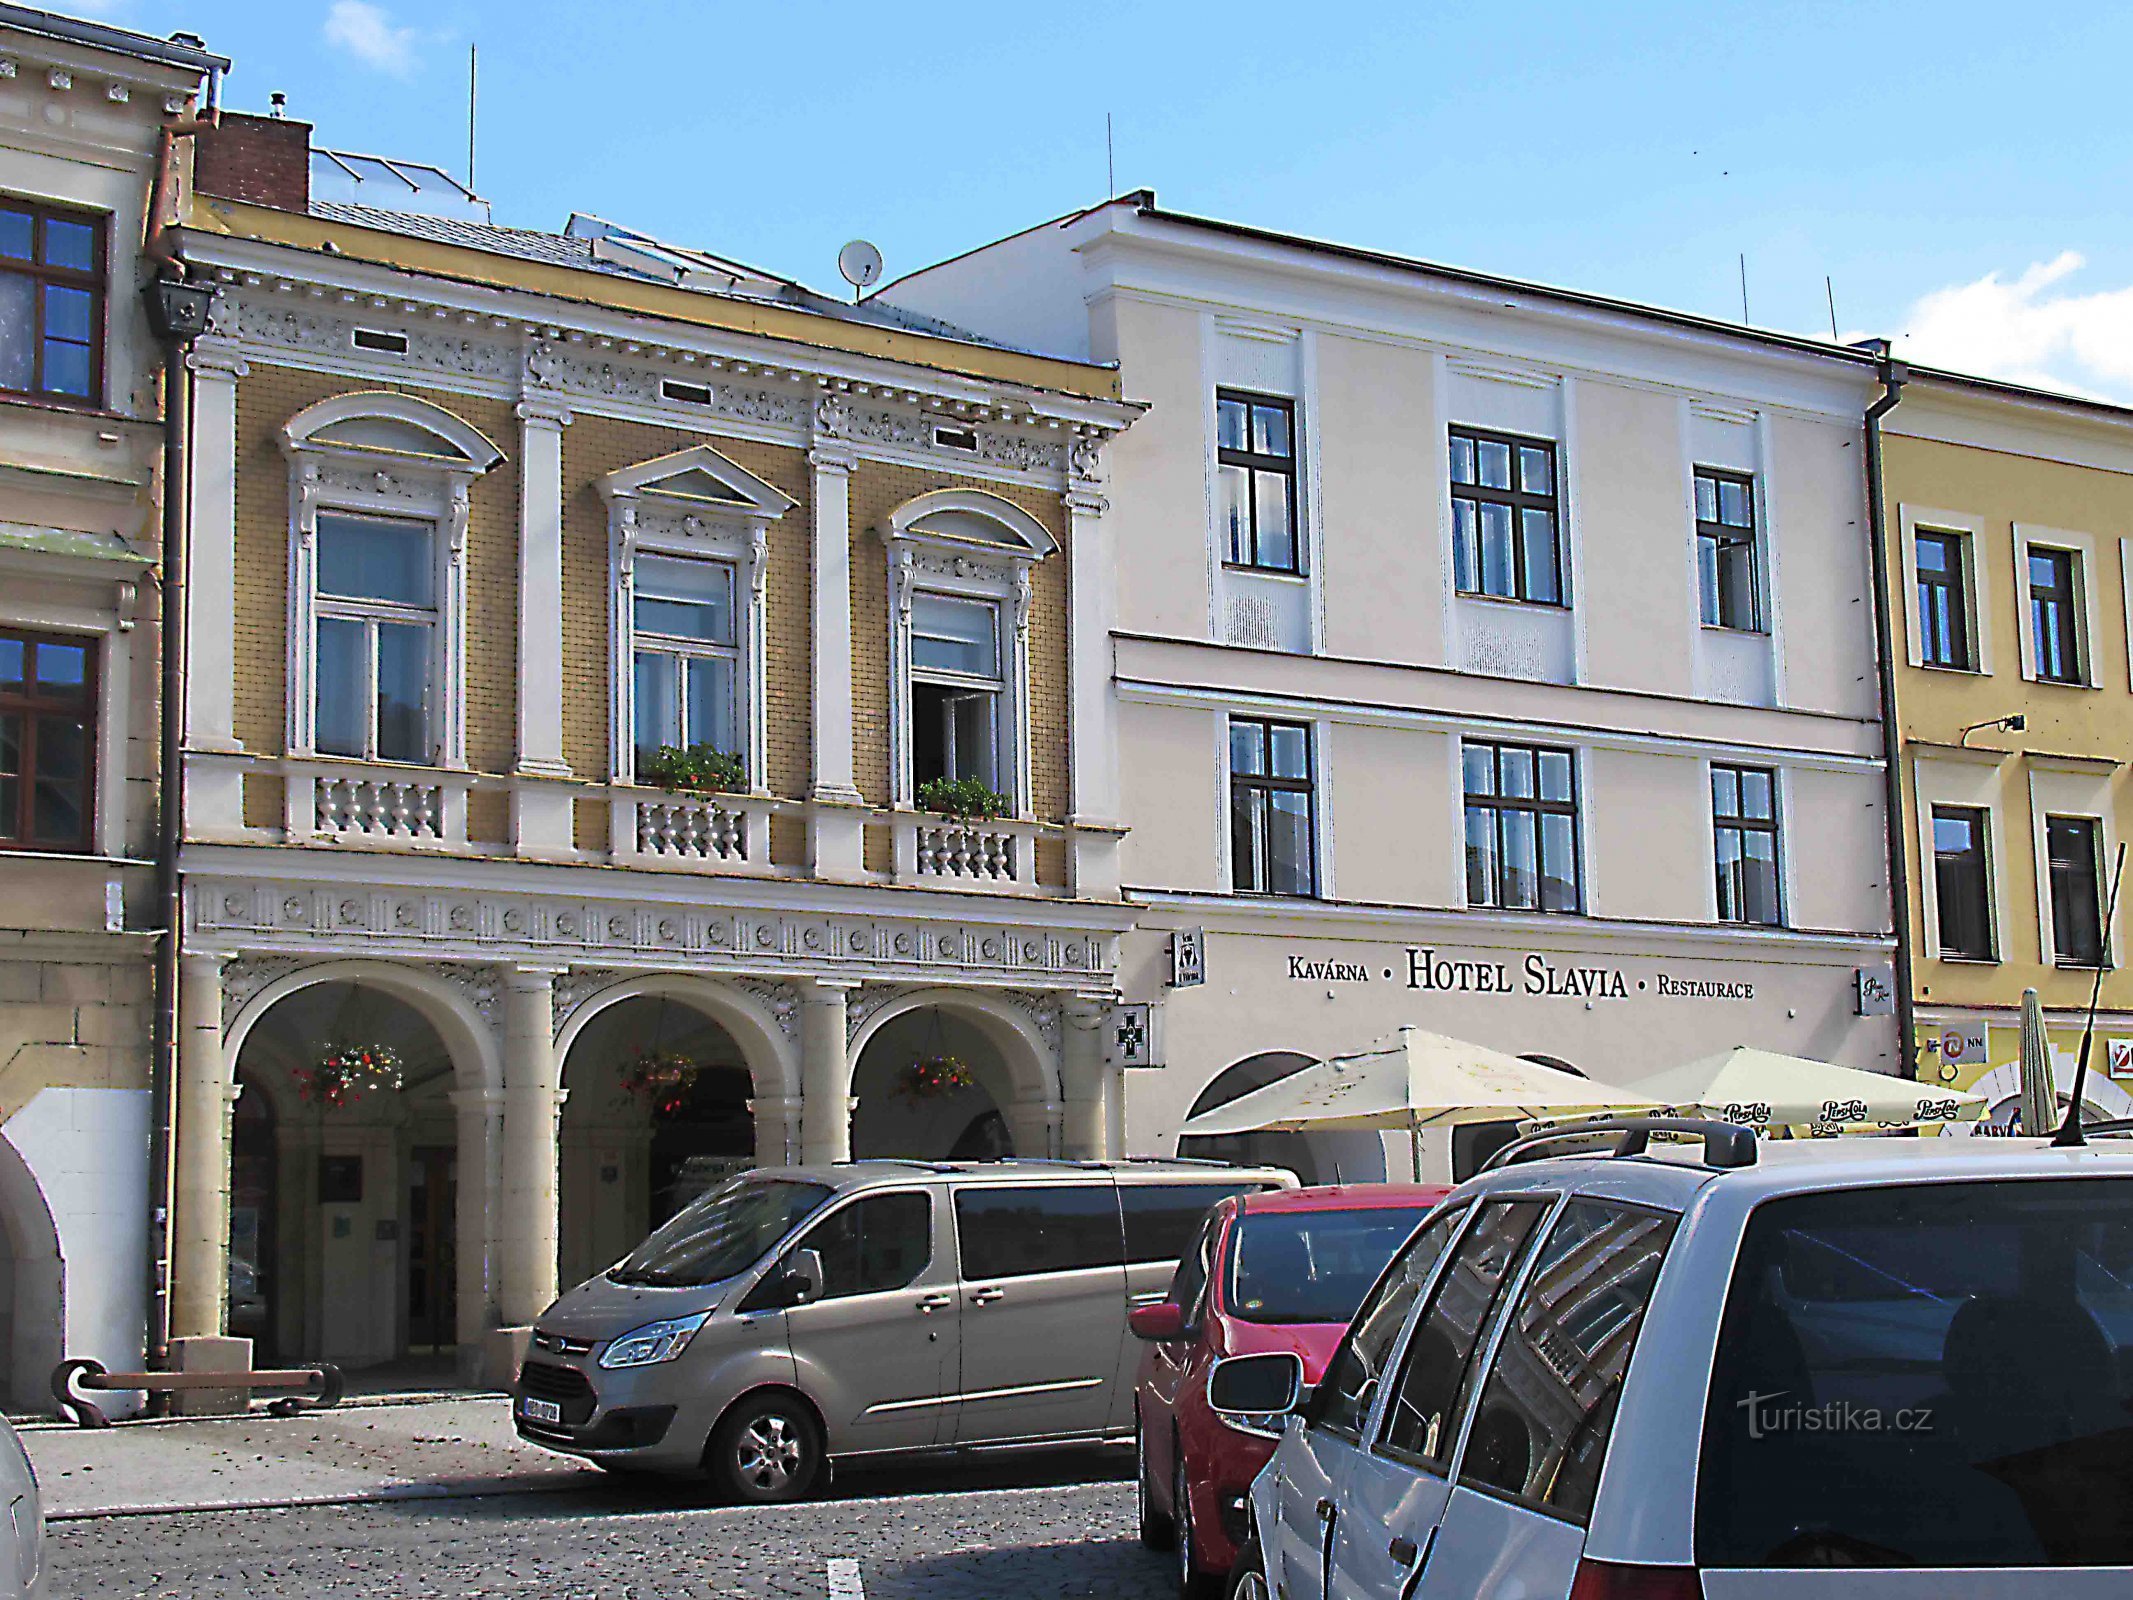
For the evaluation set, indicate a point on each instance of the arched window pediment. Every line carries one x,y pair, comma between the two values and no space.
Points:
380,424
971,517
698,479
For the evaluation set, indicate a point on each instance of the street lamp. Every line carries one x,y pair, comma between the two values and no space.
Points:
2014,722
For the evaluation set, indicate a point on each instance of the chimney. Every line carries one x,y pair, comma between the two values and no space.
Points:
264,160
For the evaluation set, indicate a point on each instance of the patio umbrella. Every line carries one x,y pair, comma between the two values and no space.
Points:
1424,1081
1762,1089
2040,1099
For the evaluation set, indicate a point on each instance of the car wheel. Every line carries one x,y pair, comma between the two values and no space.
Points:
1192,1582
765,1451
1248,1580
1157,1531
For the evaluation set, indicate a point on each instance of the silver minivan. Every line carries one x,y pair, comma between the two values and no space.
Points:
797,1314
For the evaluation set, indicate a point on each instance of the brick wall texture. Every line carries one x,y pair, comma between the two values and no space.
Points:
592,447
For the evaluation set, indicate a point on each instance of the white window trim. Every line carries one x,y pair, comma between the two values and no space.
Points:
1781,798
432,484
2125,585
1977,593
922,561
2083,546
644,518
2054,792
1975,785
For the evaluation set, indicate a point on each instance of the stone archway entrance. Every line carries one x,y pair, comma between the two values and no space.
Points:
631,1156
899,1115
1343,1157
343,1216
32,1310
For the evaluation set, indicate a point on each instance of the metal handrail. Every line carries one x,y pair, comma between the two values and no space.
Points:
1726,1145
84,1373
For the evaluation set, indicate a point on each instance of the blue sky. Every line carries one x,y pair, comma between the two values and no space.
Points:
1957,169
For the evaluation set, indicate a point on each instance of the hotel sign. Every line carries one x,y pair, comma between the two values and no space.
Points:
1538,973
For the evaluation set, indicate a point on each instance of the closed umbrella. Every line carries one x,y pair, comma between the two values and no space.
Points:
1424,1081
1762,1089
2040,1100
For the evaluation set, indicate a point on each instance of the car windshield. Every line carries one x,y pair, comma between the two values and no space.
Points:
1928,1376
721,1234
1312,1266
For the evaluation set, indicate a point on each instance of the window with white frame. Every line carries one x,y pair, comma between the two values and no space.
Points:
2057,640
959,585
377,580
686,655
957,685
374,650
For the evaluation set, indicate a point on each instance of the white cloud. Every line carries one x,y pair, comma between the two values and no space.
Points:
2032,329
366,32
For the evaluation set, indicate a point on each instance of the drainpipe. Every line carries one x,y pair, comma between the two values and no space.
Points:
1891,375
177,312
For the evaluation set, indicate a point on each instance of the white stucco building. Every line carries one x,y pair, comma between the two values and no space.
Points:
1488,658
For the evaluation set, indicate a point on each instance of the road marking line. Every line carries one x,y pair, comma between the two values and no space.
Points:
844,1581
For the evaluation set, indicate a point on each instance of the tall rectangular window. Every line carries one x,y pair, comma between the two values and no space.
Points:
2054,621
1270,807
1962,882
1727,582
1521,828
1255,481
686,655
957,685
1744,818
51,303
1505,517
47,741
375,655
2072,845
1944,599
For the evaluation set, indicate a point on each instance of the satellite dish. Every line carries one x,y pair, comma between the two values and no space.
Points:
860,263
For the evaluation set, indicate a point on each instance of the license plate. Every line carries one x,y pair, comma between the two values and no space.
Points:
540,1410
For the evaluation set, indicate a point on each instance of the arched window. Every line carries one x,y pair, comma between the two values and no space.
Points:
377,577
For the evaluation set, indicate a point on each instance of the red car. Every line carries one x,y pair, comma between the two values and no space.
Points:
1279,1270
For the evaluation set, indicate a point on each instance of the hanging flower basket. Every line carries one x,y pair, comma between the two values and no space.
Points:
345,1073
933,1078
661,1077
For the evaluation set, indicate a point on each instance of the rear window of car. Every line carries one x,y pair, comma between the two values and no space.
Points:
1311,1266
1010,1231
1161,1218
1926,1376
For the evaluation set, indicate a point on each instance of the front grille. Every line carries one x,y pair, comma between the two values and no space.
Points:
567,1386
561,1344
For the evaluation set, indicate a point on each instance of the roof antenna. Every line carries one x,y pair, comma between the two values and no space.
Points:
1110,162
1744,287
2069,1136
1829,288
473,56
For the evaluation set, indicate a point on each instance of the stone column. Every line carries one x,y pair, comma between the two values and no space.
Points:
1034,1127
836,835
200,1230
214,789
1092,723
777,1129
825,1072
480,1115
1082,1073
526,1254
542,814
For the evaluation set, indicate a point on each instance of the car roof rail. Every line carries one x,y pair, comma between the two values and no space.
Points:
1726,1145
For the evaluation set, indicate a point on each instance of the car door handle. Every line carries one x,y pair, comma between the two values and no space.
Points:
985,1297
1403,1552
1326,1509
935,1302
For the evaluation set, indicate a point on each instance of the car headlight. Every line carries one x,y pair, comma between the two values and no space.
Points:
654,1342
1266,1424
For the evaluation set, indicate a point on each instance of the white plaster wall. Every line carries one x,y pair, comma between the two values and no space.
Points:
1158,489
1393,816
1381,452
1647,836
1838,875
1818,531
1630,523
88,1149
1172,769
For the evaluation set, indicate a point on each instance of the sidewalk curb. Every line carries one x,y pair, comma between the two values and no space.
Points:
42,1423
459,1489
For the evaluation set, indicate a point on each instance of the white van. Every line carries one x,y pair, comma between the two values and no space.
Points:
1768,1373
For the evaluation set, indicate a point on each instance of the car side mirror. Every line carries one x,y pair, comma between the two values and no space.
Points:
794,1282
1158,1324
1270,1385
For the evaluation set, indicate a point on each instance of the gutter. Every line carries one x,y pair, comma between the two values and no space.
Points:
1892,376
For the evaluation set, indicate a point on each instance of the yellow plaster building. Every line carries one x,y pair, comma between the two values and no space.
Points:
2009,515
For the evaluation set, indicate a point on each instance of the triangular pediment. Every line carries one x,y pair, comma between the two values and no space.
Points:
698,478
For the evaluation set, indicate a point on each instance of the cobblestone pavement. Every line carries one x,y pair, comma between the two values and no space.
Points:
1052,1535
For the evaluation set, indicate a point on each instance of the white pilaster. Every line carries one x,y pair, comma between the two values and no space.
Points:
825,1072
1082,1073
836,834
200,1230
480,1117
214,790
532,1101
541,818
1092,720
